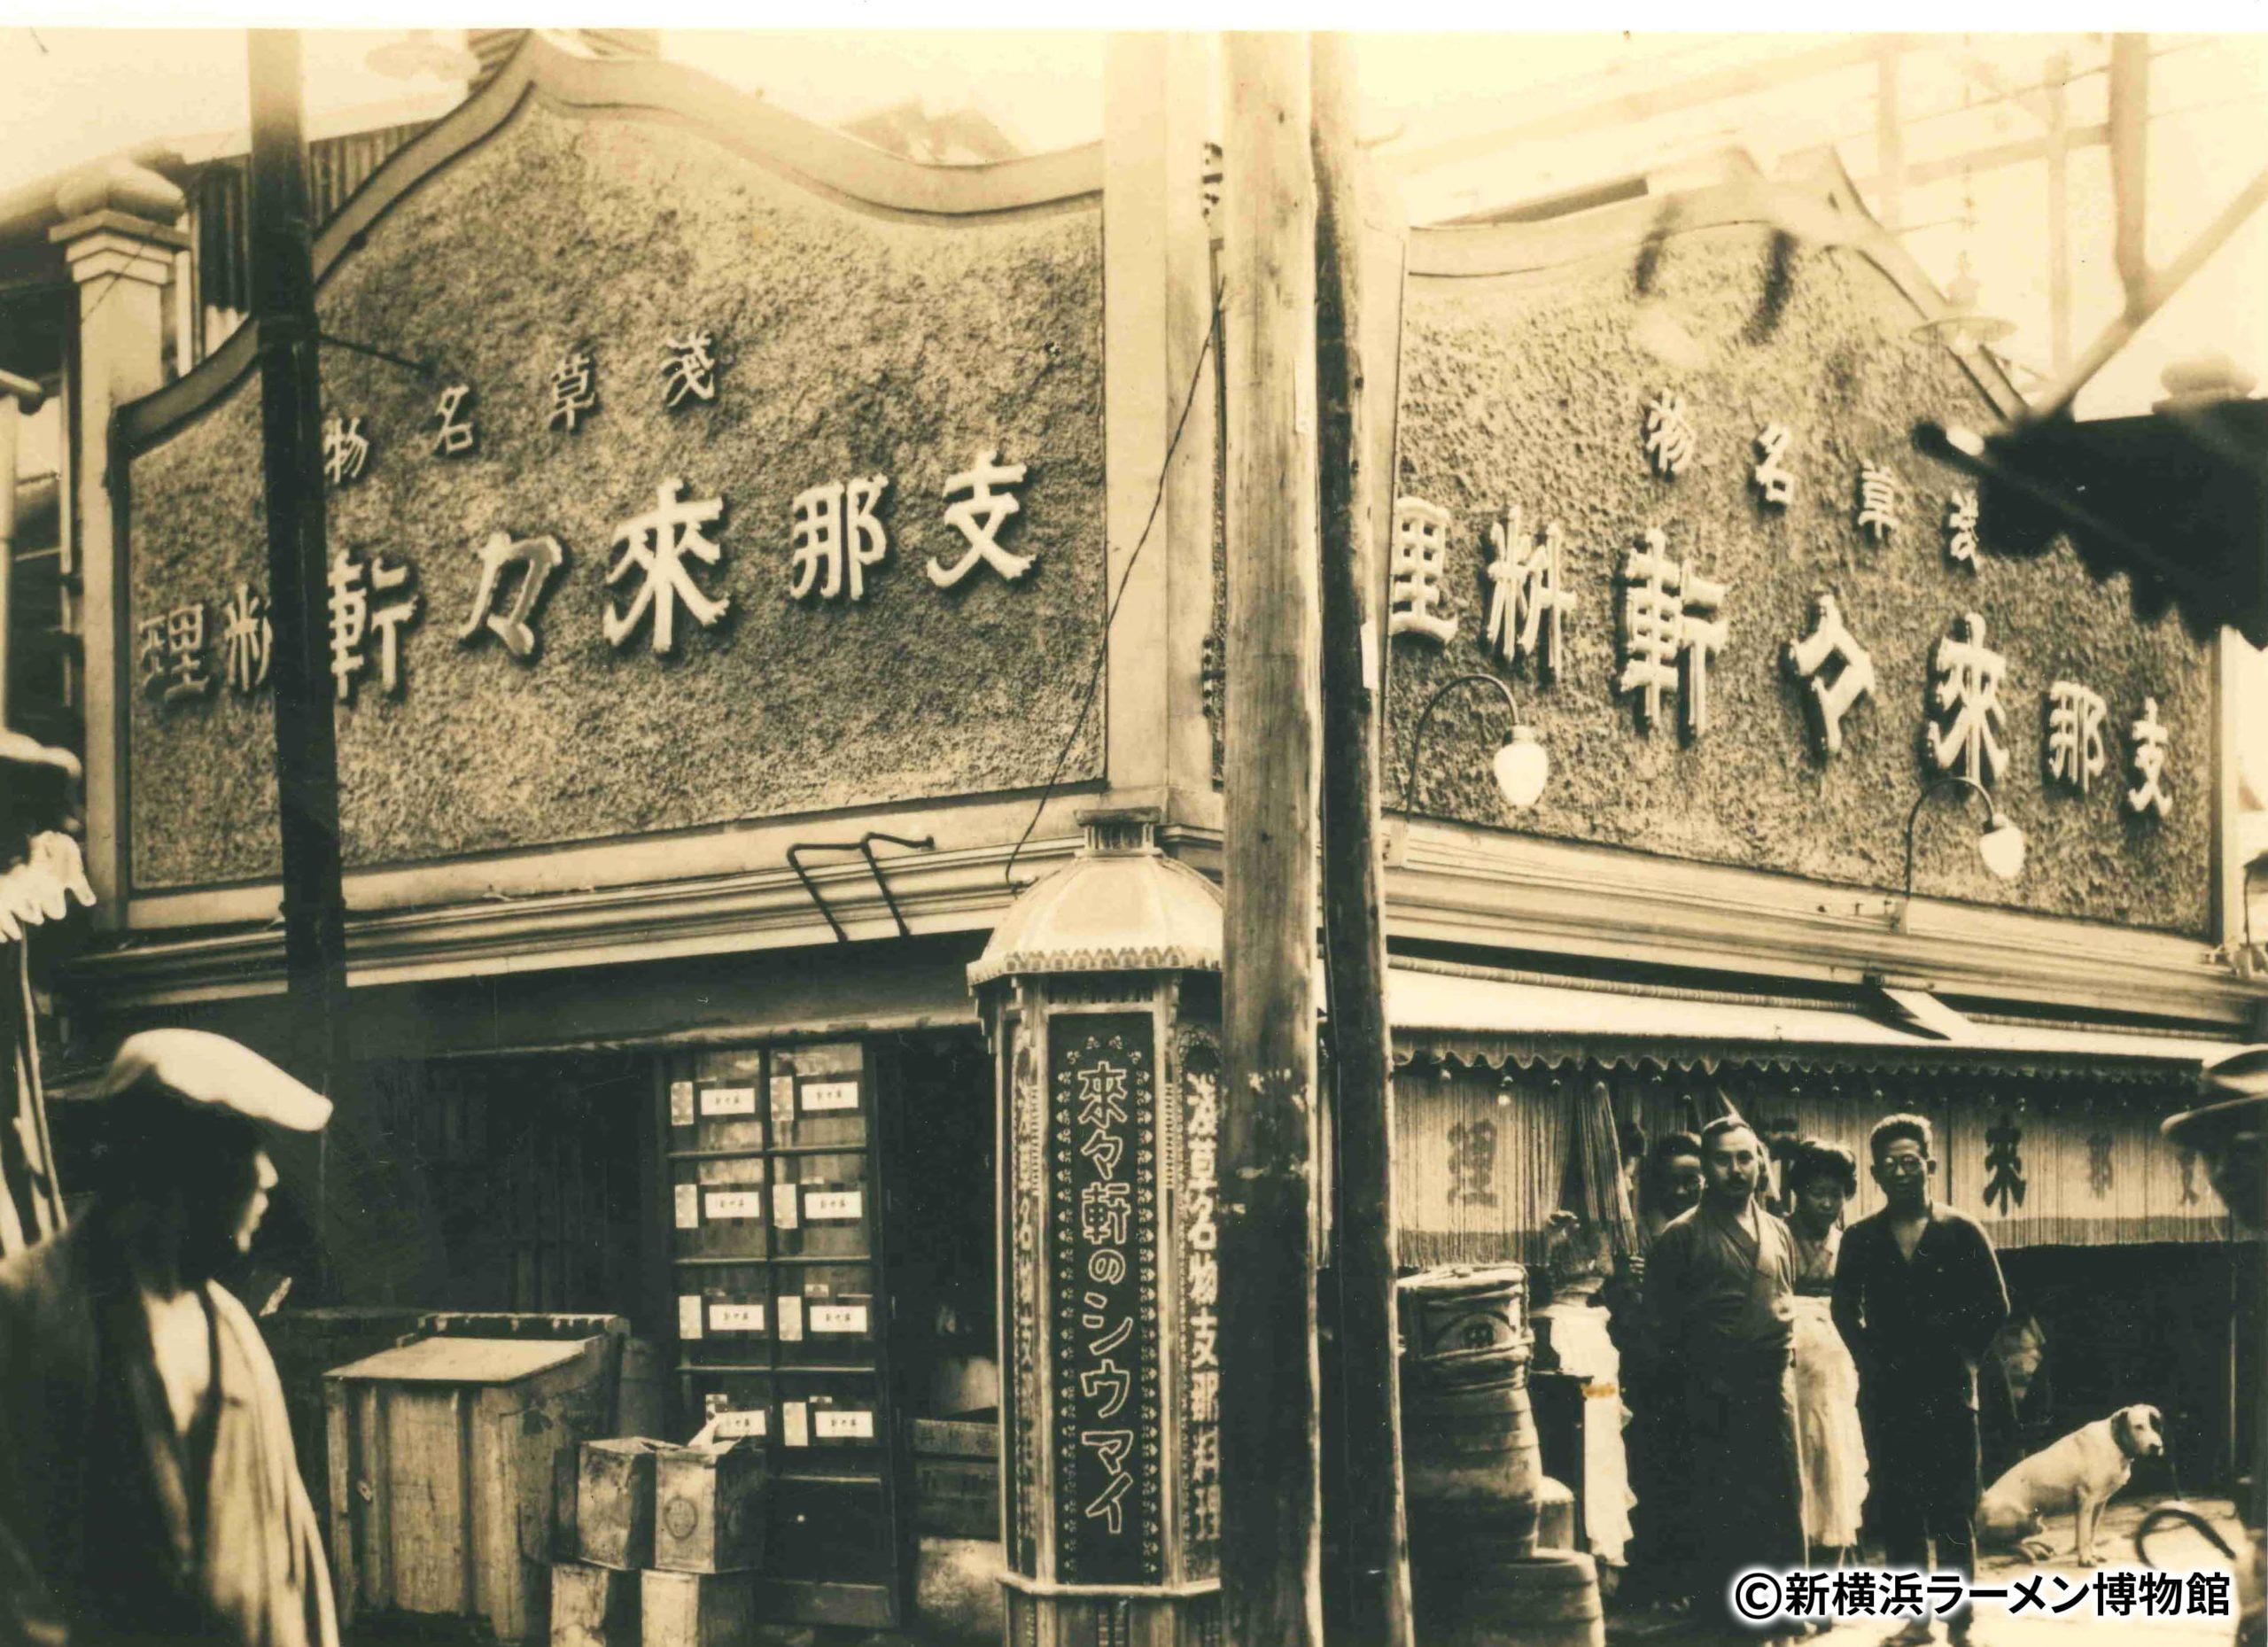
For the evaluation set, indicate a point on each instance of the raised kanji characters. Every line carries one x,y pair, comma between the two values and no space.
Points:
537,558
2075,757
979,516
2147,738
1968,675
1669,626
247,640
356,616
456,434
656,545
687,368
1774,483
574,391
1880,494
833,537
1853,678
172,653
1670,439
1960,529
1421,539
344,449
1526,602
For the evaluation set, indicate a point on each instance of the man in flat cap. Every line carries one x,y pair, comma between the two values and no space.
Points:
148,1491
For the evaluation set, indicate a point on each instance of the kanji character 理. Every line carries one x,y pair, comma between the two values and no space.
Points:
1773,482
1669,436
2148,740
1879,495
979,516
833,537
1526,600
344,449
574,391
1806,659
247,640
172,654
354,616
1669,625
656,543
2074,751
1421,537
537,559
457,434
688,369
1969,684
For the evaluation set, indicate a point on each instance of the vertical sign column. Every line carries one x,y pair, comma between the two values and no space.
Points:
1102,1156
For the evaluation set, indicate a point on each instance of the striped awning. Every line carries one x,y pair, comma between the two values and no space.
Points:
1494,1022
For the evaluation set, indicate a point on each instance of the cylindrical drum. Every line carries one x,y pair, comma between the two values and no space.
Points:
1550,1600
1470,1455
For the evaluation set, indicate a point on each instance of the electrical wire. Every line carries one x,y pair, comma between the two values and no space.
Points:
1102,648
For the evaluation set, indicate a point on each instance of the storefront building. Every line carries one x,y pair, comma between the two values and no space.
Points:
717,633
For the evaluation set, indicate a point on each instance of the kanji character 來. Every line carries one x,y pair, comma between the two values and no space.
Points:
979,516
1879,496
354,616
656,544
1960,529
688,369
1773,483
2148,736
537,559
2075,752
1421,540
247,640
833,537
1526,600
1669,436
1807,660
1969,684
344,449
574,391
172,654
1669,625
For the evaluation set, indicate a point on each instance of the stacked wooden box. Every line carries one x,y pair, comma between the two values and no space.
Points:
668,1540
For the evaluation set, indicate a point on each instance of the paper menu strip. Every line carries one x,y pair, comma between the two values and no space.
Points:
791,1318
689,1315
795,1423
721,1204
825,1095
737,1426
688,1206
736,1317
838,1317
786,1202
837,1204
843,1424
680,1103
729,1101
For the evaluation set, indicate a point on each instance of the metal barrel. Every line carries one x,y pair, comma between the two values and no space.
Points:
1470,1455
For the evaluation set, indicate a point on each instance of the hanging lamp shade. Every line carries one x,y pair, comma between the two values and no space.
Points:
1122,906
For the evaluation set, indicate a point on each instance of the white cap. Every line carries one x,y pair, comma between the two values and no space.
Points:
211,1070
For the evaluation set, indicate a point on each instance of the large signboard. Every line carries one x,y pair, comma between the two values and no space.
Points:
1657,472
720,495
1103,1214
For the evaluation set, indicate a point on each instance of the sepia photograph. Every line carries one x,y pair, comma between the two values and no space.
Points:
1133,830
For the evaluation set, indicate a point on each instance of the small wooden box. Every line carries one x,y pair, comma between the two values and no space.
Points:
614,1503
695,1609
593,1606
708,1504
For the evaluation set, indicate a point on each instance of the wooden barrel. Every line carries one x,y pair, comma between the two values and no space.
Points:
1550,1600
1470,1455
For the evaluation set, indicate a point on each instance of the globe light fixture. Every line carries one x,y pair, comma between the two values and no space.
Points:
1523,766
2000,843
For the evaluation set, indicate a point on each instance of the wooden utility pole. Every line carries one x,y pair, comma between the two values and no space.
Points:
1377,1542
1270,1507
290,400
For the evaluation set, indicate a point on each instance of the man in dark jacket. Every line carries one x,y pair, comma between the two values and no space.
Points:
148,1492
1918,1297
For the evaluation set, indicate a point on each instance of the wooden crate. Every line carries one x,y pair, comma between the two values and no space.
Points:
441,1468
709,1509
956,1478
695,1609
614,1502
593,1606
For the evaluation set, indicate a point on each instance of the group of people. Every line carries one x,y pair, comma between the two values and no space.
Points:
1790,1380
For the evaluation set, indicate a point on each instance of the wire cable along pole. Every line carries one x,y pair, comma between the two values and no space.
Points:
1270,1506
290,397
1377,1539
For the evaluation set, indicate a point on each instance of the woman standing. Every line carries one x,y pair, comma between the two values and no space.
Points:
1821,1180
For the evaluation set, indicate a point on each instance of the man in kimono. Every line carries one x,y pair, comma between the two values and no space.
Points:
1918,1297
1719,1286
148,1492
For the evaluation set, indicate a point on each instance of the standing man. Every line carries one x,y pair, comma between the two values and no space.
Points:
1918,1297
1720,1285
148,1492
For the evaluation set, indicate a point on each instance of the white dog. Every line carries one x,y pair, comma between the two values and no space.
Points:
2079,1473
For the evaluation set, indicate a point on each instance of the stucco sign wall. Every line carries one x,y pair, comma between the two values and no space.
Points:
729,497
1663,483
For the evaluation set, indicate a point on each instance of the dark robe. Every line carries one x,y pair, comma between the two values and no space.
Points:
115,1526
1918,1327
1718,1297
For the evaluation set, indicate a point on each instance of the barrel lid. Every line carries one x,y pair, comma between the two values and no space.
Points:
1459,1279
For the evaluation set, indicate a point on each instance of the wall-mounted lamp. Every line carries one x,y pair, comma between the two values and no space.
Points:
1522,765
2000,845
